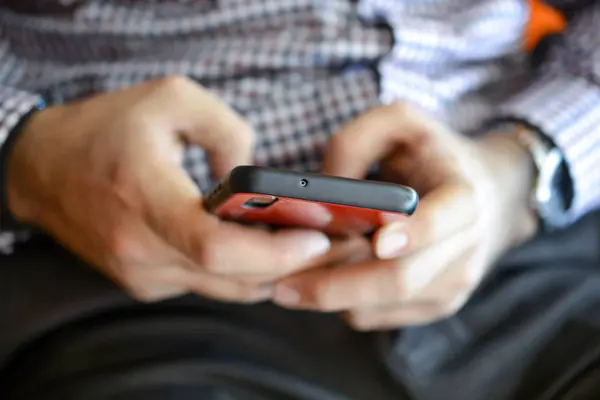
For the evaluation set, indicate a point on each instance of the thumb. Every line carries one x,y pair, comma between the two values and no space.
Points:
174,212
441,213
202,119
372,136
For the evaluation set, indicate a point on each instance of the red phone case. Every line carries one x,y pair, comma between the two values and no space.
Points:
333,205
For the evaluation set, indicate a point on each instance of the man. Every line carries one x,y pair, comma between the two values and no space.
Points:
225,311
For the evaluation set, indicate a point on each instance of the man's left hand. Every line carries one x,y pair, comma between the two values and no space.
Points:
474,207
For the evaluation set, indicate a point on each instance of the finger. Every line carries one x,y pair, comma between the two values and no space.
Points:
443,297
204,120
232,250
343,251
170,274
226,289
150,283
350,250
160,282
404,315
371,136
461,279
340,288
441,213
372,283
224,248
255,288
155,292
173,209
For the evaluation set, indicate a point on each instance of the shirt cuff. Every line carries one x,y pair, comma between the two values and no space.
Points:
14,106
567,109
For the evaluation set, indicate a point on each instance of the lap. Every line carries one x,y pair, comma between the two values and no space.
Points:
532,324
76,327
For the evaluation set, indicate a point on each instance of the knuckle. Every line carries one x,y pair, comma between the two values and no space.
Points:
141,294
124,189
119,245
325,295
173,83
246,134
129,275
144,288
245,296
464,284
322,297
322,302
241,138
467,279
399,108
205,258
341,144
249,294
452,306
283,263
400,291
207,255
359,322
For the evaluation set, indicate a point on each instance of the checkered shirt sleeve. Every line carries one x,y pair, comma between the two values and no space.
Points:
296,70
564,101
447,52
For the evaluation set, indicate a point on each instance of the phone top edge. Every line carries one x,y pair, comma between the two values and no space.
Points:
242,179
323,188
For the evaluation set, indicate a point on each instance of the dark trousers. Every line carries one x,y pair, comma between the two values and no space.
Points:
531,332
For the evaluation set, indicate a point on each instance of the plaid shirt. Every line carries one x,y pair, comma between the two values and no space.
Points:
299,69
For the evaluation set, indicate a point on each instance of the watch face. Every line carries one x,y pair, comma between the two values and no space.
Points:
551,194
564,185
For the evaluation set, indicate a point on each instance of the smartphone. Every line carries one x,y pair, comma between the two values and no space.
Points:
339,206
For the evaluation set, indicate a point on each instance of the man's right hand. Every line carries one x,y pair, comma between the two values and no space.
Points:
103,176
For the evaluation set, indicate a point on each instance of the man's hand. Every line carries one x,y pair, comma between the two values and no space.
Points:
473,208
104,177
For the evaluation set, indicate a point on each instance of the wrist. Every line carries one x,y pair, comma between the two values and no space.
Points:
19,164
514,174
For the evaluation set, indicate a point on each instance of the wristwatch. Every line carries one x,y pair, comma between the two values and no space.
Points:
551,194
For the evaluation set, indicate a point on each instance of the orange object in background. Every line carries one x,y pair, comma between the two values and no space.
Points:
543,21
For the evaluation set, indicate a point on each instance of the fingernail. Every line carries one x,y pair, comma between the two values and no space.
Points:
286,295
313,244
264,292
392,241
